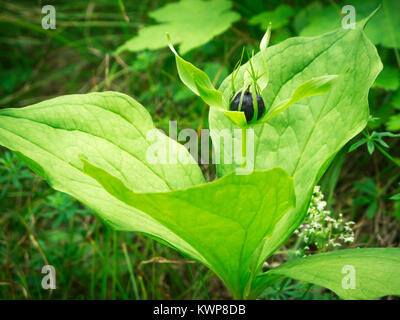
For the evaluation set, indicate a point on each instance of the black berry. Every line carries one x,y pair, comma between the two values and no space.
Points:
247,105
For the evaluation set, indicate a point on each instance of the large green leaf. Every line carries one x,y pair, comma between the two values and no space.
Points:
382,29
191,24
304,138
376,272
109,129
224,220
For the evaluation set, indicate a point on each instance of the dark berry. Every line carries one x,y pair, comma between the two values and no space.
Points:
247,105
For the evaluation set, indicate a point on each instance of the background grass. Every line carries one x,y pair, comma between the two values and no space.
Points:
40,226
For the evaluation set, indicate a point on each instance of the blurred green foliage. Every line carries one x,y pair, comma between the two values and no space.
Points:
39,225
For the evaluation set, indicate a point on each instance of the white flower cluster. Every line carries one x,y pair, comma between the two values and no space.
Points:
320,229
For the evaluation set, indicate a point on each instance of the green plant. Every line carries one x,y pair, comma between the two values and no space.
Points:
13,174
279,17
93,147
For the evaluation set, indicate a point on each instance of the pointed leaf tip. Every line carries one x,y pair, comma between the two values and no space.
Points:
197,80
170,45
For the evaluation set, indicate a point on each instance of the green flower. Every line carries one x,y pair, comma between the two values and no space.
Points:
254,81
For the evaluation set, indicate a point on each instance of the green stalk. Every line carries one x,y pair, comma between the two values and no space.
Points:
244,147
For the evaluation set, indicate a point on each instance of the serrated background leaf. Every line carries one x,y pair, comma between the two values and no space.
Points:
279,17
